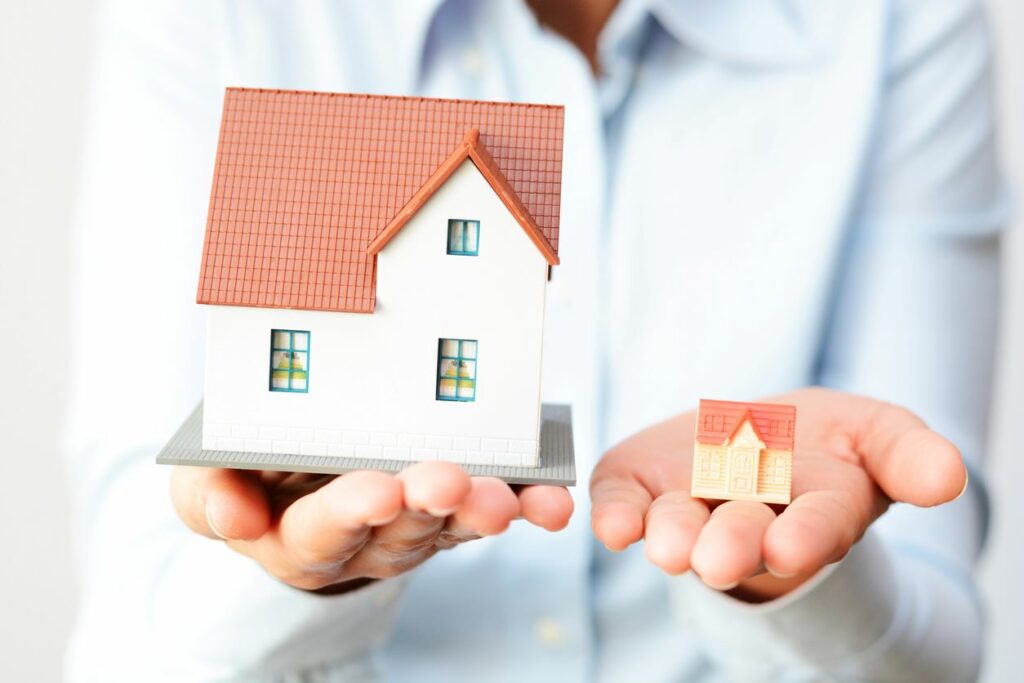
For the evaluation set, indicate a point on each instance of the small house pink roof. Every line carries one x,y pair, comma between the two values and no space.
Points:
308,187
718,421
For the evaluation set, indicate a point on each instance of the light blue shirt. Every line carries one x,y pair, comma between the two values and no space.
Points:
758,195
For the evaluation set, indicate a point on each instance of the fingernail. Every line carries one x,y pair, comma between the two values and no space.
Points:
725,587
213,527
967,482
442,512
781,575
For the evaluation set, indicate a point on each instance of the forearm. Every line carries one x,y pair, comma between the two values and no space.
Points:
160,603
208,592
882,614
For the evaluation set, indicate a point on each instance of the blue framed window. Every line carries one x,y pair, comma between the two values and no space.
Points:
289,361
463,237
456,369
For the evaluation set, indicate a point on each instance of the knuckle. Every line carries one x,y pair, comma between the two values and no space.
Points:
316,560
386,568
397,548
312,555
456,537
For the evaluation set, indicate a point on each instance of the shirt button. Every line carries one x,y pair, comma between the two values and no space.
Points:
549,632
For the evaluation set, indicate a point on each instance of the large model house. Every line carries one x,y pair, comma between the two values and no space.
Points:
375,270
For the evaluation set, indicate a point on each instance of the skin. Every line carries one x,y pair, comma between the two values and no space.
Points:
580,22
854,457
333,534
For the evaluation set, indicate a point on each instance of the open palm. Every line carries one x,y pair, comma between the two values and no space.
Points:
854,456
334,533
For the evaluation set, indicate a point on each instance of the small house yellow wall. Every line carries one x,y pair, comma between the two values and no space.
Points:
712,465
767,482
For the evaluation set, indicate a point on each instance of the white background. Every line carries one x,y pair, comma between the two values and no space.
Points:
44,50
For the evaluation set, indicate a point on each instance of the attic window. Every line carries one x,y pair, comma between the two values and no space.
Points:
289,361
463,237
456,369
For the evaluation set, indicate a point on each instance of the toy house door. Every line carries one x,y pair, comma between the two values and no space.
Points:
742,472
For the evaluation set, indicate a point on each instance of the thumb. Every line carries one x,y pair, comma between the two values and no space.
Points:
908,461
220,503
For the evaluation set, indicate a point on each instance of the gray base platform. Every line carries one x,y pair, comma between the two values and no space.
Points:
558,461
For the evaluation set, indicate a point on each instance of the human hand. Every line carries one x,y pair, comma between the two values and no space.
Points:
331,534
854,456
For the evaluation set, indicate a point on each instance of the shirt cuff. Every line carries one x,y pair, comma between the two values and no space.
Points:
835,618
219,614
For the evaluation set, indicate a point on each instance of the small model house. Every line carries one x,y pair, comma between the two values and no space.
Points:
743,451
375,272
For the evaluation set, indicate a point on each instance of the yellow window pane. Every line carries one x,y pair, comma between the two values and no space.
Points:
450,347
280,340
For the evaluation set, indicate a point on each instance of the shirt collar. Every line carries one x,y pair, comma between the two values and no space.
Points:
755,33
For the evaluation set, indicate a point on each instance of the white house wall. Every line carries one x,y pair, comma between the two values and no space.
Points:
373,377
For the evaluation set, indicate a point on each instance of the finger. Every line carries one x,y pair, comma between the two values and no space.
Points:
333,522
910,462
620,504
220,503
817,528
548,507
673,524
397,547
432,491
437,488
728,549
487,510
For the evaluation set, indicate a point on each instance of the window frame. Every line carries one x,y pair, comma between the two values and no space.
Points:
458,358
466,223
775,469
290,351
710,463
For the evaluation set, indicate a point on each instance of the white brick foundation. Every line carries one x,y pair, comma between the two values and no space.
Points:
375,445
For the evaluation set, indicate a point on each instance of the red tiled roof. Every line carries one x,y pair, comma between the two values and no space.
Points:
717,422
304,182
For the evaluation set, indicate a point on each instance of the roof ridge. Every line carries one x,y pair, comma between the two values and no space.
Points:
375,96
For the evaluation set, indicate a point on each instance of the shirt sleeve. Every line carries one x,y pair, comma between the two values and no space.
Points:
158,602
913,322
